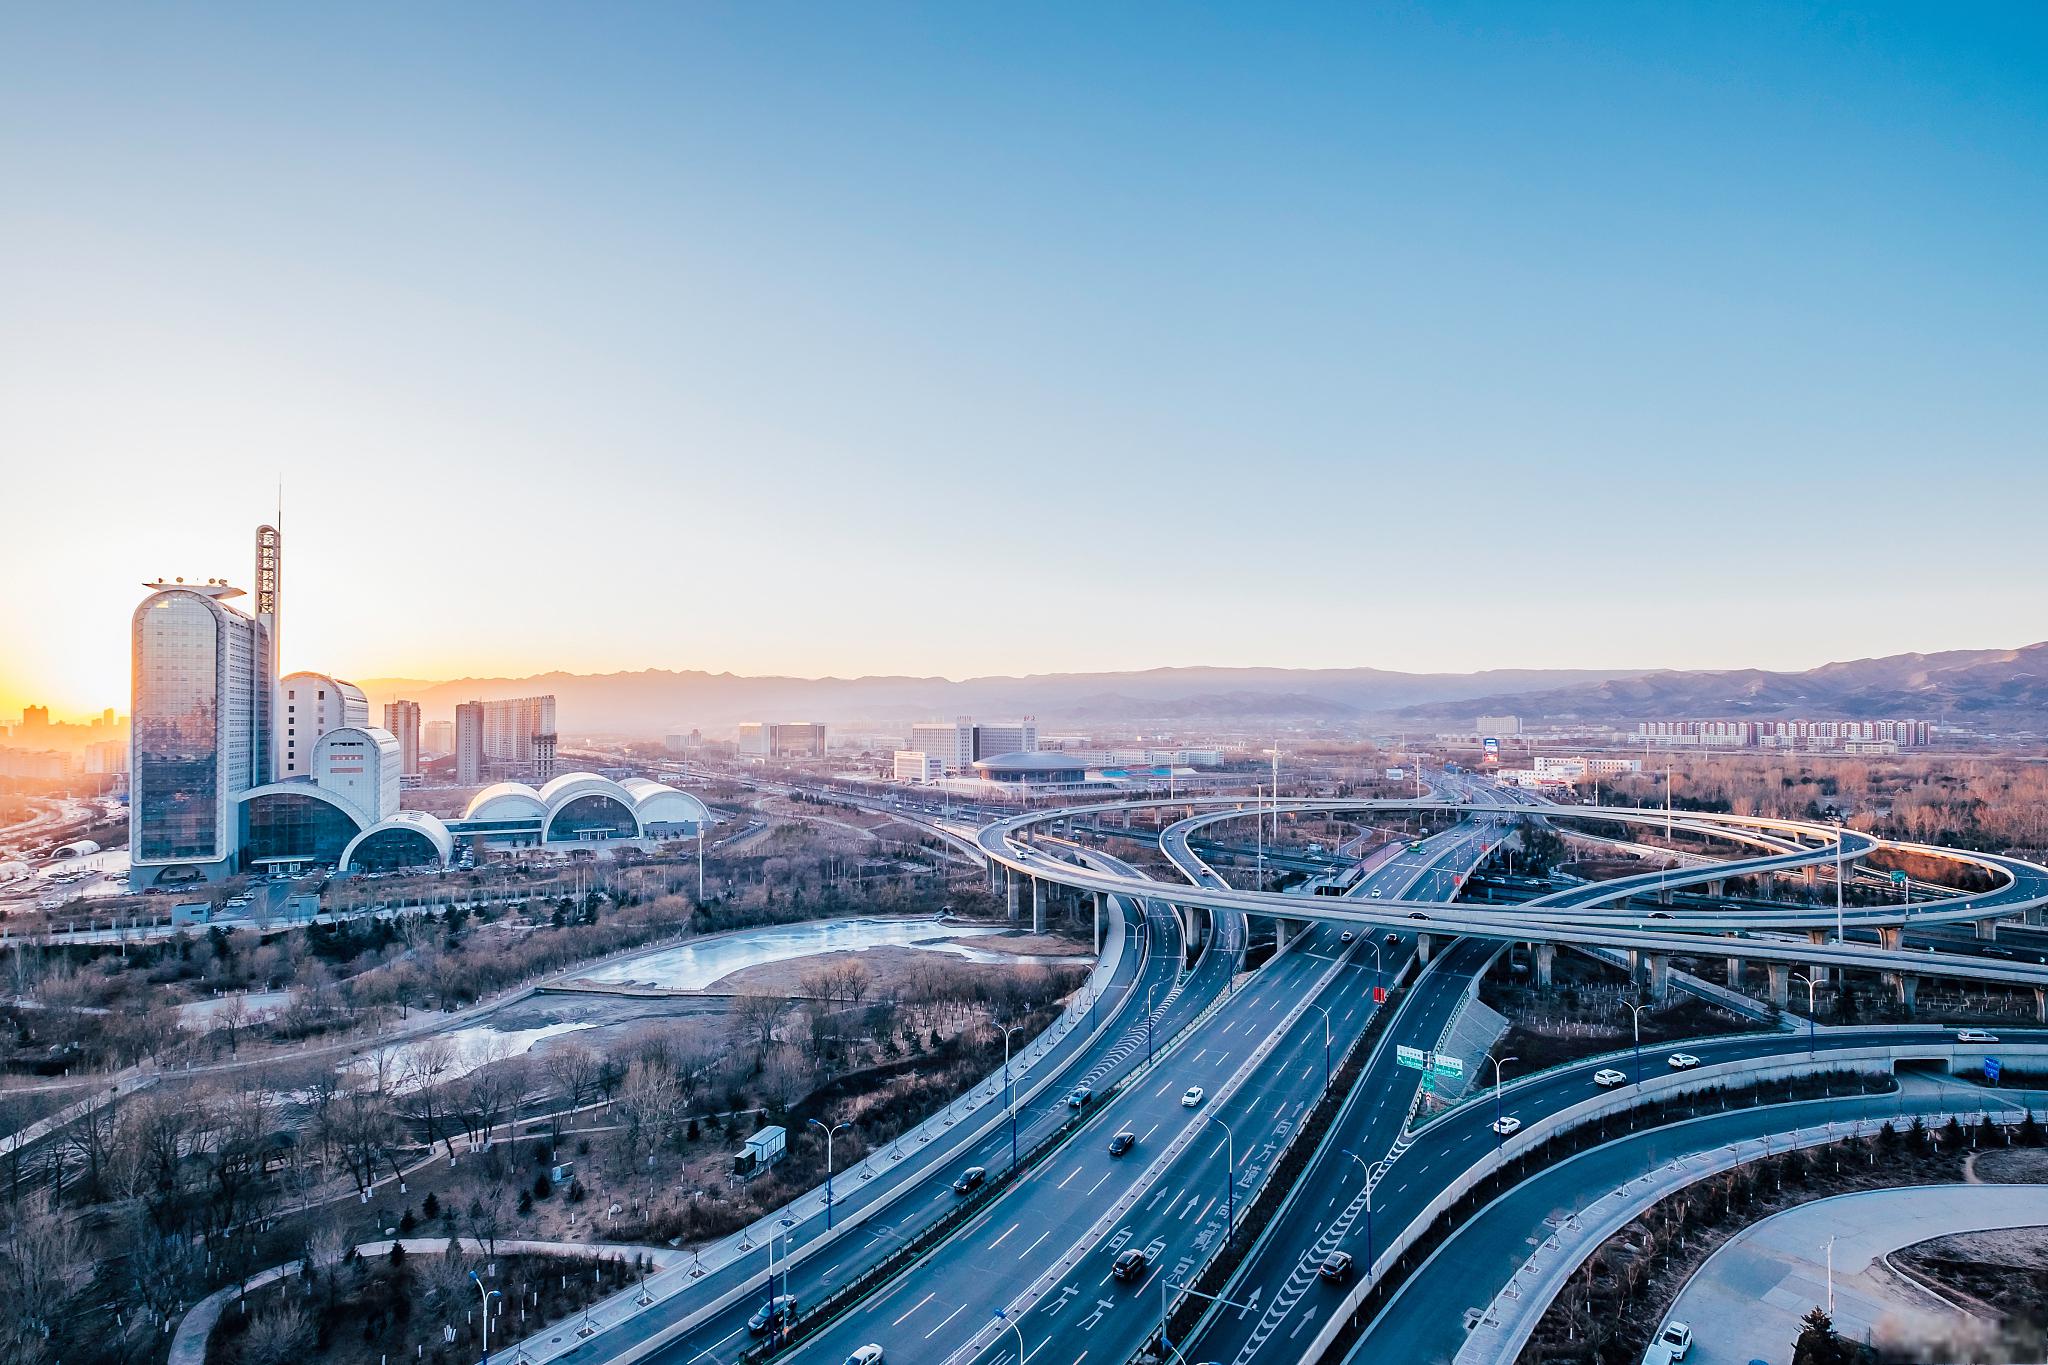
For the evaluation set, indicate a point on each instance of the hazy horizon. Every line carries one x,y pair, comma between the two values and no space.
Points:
927,341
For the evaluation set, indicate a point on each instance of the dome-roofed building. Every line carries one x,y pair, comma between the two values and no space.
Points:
411,838
664,812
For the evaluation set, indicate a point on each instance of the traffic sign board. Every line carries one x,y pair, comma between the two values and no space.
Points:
1991,1070
1898,878
1379,995
1445,1065
1414,1058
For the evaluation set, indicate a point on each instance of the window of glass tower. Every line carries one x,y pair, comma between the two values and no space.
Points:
176,727
288,825
595,816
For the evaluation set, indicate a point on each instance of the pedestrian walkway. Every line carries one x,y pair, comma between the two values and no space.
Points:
1745,1303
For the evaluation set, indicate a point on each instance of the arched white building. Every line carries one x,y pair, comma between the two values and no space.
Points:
411,838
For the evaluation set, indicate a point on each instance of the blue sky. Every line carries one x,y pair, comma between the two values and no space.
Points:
964,339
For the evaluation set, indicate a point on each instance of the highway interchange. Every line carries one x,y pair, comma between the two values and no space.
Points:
1026,1277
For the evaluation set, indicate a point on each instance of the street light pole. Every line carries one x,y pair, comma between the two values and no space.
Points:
1810,1007
487,1295
1230,1185
1498,1063
1326,1045
1001,1316
1010,1084
1840,936
1637,1012
828,1131
1368,1208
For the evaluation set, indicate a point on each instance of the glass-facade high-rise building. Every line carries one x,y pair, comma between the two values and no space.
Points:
202,679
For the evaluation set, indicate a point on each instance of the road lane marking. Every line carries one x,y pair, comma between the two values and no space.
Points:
1070,1175
999,1241
914,1307
1034,1246
948,1318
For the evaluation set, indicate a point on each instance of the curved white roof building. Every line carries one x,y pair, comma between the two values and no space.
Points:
411,838
505,801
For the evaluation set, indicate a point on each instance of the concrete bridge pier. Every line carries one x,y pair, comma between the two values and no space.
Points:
1545,966
1890,937
1717,887
1098,923
1014,893
1425,947
1663,895
2031,916
1905,990
1660,975
1781,984
1734,973
1987,929
1037,906
995,878
2041,1004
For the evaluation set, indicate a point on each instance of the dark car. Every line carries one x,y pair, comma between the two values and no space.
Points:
1122,1142
1336,1267
1417,914
1129,1266
774,1315
970,1180
1393,939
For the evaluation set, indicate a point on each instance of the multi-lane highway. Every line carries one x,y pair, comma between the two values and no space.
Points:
1044,1252
1029,1278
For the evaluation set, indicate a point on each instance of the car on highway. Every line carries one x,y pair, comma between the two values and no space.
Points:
1129,1266
1346,936
1375,893
1682,1061
1336,1267
1660,914
778,1313
971,1180
1122,1142
1607,1078
1417,914
1507,1125
869,1354
1191,1097
1676,1339
1080,1097
1975,1035
1393,939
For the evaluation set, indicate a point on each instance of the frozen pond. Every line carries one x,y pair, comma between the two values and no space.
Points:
450,1056
693,966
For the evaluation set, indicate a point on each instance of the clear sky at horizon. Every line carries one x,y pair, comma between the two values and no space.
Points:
1002,339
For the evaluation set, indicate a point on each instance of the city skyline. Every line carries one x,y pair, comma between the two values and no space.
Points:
1427,341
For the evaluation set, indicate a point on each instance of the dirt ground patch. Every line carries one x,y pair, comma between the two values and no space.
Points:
2016,1166
890,970
2005,1271
1026,945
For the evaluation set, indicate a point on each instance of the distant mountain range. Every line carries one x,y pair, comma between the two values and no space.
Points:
2000,688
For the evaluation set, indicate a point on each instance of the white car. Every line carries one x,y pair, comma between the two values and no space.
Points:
1676,1339
1607,1078
869,1354
1507,1126
1975,1035
1191,1097
1682,1061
